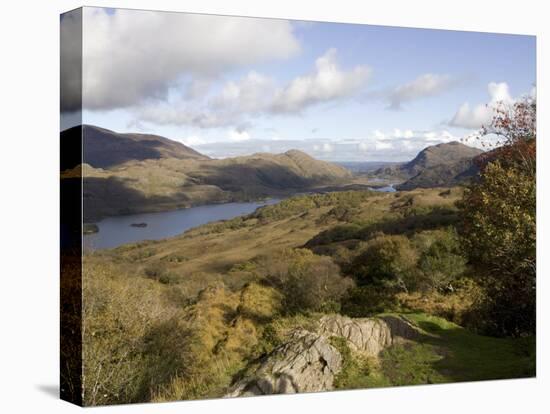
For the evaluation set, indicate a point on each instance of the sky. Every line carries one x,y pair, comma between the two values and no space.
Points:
230,86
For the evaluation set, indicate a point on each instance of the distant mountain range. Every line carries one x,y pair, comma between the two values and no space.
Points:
136,173
131,173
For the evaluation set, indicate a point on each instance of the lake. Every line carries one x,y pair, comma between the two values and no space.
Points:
115,231
386,189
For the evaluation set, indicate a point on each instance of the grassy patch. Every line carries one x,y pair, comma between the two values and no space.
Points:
470,357
444,353
411,364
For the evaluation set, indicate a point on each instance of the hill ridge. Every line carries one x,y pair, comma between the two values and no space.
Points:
105,148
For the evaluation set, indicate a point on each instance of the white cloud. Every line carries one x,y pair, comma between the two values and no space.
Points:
327,147
363,146
482,114
397,133
192,140
380,135
369,148
181,114
256,94
383,145
408,134
473,118
401,143
326,83
424,86
499,92
132,55
250,94
430,136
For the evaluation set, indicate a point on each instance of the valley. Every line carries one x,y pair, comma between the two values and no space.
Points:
334,281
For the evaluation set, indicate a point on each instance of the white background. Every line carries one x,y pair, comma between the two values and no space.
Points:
29,102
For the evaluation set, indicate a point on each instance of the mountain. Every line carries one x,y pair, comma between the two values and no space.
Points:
104,148
264,171
439,165
441,175
135,173
438,155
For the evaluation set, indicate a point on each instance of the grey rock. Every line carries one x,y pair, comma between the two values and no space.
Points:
308,362
369,335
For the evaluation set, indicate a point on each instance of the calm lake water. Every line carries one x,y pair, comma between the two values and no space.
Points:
114,231
386,189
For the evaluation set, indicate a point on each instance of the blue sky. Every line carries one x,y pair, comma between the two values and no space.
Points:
233,86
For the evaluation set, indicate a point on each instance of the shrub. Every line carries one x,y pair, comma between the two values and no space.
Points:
339,213
456,306
121,316
308,282
442,262
369,300
336,234
160,273
386,260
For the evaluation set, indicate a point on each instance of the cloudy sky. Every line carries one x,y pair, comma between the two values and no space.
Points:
231,86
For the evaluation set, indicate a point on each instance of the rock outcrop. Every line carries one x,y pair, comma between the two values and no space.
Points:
368,335
308,362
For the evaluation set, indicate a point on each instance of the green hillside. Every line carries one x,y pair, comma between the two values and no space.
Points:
191,316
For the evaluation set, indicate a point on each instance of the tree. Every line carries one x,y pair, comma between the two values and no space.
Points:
442,263
387,261
499,224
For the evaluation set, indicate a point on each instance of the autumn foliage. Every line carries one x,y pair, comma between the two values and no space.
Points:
499,221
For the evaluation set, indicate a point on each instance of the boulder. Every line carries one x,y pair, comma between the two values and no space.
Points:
308,362
368,335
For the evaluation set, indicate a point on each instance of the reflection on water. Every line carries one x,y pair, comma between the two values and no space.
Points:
114,231
387,189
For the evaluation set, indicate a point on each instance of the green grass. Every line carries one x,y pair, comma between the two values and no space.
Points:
466,356
443,353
